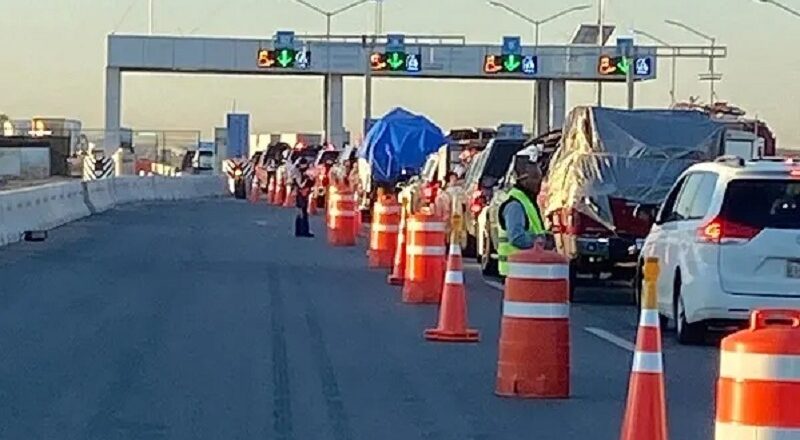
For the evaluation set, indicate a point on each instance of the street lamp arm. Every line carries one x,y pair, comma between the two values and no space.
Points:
786,8
348,7
313,7
652,37
563,13
690,29
513,11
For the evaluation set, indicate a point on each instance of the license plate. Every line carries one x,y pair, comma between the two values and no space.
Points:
793,269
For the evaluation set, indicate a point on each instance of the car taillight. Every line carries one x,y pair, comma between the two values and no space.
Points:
795,172
721,231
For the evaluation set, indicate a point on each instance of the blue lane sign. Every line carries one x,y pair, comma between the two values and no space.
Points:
625,46
238,141
413,63
530,64
512,45
284,40
643,66
395,43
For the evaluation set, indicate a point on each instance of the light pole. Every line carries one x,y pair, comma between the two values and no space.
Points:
533,21
673,63
601,37
150,17
712,77
328,18
536,24
779,5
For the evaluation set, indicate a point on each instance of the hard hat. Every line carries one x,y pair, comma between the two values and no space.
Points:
532,153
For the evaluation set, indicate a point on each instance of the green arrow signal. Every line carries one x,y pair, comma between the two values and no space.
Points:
285,58
624,65
395,61
512,63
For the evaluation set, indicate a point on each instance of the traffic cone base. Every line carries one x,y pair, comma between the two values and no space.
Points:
395,280
468,335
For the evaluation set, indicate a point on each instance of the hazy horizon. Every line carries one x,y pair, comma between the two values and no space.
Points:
55,58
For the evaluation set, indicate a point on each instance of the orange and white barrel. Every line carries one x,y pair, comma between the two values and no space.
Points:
271,191
758,391
425,259
383,232
341,217
280,189
533,359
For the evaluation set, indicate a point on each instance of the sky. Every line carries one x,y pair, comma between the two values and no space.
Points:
54,57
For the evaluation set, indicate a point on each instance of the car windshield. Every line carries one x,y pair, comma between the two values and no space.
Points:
429,170
763,203
499,159
329,156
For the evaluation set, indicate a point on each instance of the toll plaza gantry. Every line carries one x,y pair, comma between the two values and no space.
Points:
369,56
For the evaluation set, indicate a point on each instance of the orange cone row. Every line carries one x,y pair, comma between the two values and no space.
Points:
759,382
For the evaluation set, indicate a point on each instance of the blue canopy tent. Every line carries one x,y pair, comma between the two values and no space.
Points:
400,141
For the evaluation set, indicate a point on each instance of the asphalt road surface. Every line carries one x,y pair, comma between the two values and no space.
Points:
208,320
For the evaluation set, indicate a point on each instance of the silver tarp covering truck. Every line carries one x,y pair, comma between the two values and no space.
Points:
610,174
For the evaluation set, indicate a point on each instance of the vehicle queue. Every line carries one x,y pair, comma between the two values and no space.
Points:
604,204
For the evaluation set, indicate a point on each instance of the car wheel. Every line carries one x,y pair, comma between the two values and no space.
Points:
685,333
488,264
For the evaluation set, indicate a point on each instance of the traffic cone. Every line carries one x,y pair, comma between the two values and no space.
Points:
312,203
254,190
453,310
271,192
291,197
397,277
280,192
646,411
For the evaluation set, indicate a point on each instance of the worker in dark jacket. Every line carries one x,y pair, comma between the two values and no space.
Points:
303,183
521,223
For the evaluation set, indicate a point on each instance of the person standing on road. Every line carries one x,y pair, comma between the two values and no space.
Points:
302,183
521,224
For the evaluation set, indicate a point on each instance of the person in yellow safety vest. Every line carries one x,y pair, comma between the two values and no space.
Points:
521,224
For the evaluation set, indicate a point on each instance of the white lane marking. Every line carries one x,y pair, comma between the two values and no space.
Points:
612,338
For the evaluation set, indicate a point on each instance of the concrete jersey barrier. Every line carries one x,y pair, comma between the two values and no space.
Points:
50,206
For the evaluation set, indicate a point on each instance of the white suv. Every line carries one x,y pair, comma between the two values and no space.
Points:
728,240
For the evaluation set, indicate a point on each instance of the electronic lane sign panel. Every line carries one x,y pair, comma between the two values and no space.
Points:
620,66
395,57
283,59
283,55
511,63
511,59
395,62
